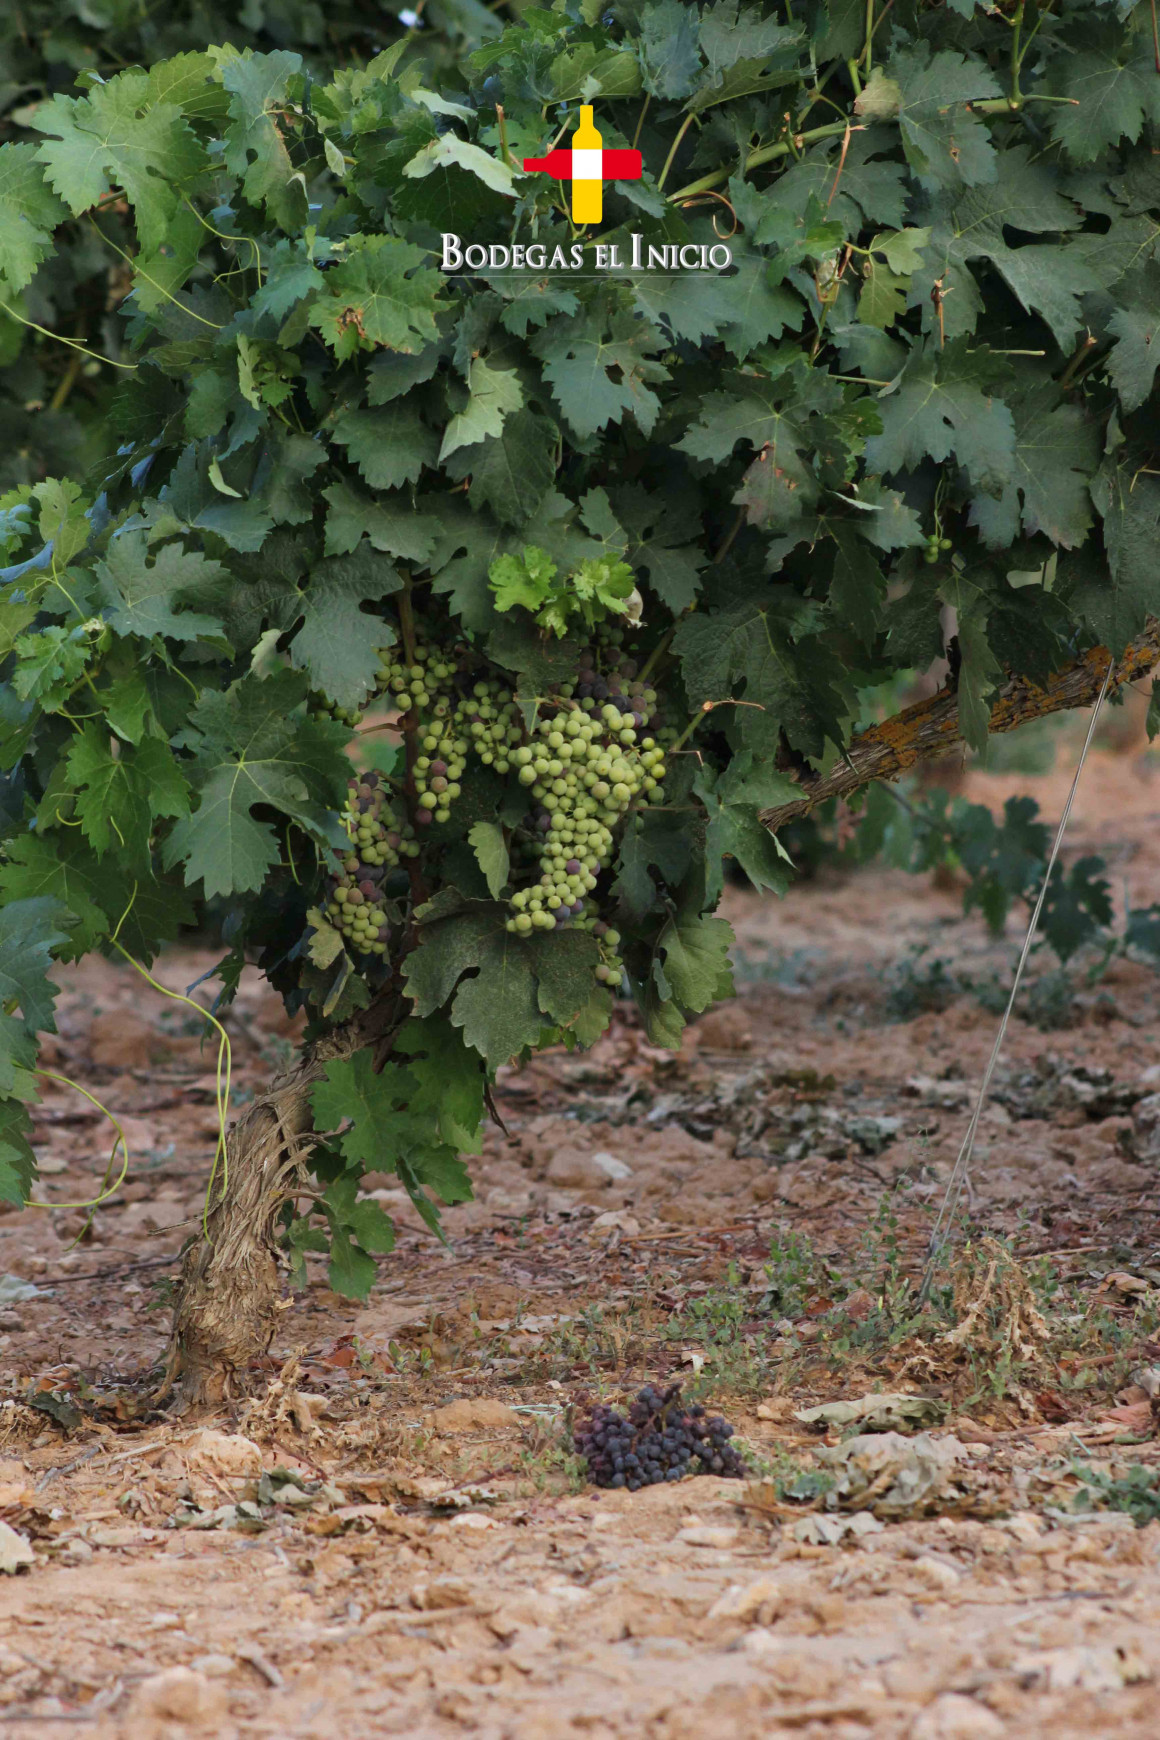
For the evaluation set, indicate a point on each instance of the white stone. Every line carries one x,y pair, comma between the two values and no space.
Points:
952,1717
744,1601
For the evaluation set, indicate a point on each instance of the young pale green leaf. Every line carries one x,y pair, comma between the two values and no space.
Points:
491,852
494,393
449,151
120,136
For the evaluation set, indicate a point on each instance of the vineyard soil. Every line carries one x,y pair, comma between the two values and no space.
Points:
451,1576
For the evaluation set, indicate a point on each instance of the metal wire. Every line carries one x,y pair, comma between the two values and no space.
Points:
960,1174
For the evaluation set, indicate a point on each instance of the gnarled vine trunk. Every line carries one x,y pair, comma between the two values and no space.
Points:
229,1294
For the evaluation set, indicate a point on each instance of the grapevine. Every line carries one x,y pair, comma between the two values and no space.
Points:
439,632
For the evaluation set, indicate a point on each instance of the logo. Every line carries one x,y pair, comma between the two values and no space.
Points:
587,165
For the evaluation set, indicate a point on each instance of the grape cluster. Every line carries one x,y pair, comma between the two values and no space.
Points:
595,747
380,838
455,717
658,1440
592,753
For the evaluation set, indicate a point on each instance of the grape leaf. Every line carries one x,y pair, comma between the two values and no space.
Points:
30,930
1117,601
381,293
600,365
943,405
119,135
520,985
945,143
29,213
1133,363
511,473
146,597
1110,97
390,447
696,971
491,851
255,150
494,393
1056,448
338,641
118,796
389,523
670,60
252,747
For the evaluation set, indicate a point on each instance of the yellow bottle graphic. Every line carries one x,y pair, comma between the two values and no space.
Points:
587,164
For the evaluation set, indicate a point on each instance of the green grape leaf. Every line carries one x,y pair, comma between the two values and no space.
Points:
254,747
120,136
50,663
600,364
18,1170
494,393
382,293
291,276
29,213
695,951
1056,449
150,911
118,796
670,56
390,447
945,143
519,986
944,405
449,1081
389,523
1109,99
512,472
491,852
146,597
30,930
338,641
255,149
1133,363
1118,598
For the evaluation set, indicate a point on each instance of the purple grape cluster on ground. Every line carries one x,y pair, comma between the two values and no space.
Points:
658,1440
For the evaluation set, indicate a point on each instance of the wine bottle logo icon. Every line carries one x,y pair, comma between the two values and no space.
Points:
588,164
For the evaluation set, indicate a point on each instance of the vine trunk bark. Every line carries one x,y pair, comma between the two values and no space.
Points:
932,727
229,1293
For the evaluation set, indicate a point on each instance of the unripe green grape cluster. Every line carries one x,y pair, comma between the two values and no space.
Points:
596,748
451,723
380,838
591,756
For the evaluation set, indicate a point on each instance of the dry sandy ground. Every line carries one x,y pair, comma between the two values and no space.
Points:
437,1574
